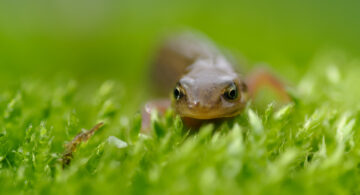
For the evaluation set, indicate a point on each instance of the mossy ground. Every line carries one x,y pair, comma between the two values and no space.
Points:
310,145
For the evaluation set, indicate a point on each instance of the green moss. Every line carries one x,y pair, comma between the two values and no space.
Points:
308,146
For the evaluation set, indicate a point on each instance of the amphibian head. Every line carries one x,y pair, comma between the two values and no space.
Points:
210,89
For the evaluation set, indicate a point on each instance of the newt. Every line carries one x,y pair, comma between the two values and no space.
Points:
203,82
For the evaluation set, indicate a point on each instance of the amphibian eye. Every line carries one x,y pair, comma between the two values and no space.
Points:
231,92
178,93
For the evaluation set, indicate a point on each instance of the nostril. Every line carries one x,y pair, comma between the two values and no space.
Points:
194,104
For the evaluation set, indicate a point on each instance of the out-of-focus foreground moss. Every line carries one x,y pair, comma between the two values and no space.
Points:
68,65
308,146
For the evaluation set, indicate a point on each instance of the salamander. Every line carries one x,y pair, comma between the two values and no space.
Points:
203,82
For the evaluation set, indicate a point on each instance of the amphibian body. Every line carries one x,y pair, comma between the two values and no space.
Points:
204,83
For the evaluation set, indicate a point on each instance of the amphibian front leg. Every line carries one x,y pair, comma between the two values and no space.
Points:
262,77
160,106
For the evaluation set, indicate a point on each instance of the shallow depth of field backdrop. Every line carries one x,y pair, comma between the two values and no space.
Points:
66,65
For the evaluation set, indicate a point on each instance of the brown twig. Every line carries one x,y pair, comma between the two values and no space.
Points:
71,147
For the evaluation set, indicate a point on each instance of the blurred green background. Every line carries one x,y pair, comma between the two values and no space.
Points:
92,41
